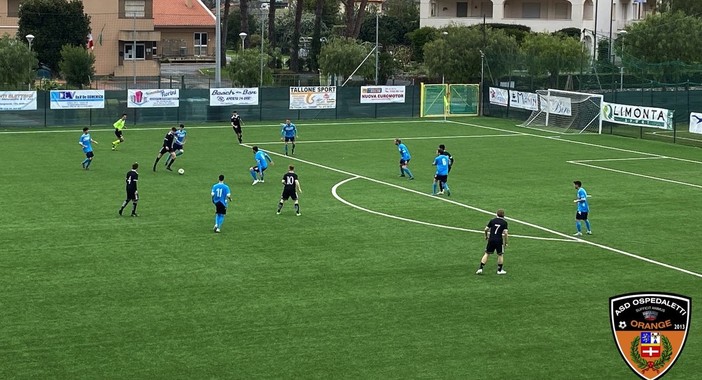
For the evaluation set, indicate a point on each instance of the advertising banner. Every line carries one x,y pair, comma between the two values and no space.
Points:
18,100
153,98
524,100
78,99
696,122
557,105
637,115
234,96
312,97
499,96
382,94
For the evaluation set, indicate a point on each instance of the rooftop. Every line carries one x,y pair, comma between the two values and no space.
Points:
182,13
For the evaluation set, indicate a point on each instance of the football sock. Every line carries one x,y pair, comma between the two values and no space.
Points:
286,149
85,162
409,173
280,206
587,225
293,149
116,142
134,206
171,163
499,267
482,265
261,175
445,185
577,226
402,171
297,208
239,139
253,174
124,204
178,153
220,220
434,188
88,163
168,159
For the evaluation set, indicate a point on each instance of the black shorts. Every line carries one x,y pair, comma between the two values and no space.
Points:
441,178
177,147
220,208
450,168
291,139
493,246
581,215
118,133
164,150
289,193
89,154
404,162
237,129
132,195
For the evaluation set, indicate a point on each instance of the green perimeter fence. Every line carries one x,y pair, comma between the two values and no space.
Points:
195,107
682,98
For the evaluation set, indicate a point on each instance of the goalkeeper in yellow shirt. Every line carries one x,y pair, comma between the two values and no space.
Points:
119,126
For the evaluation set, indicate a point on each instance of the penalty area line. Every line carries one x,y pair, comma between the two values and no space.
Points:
387,139
344,201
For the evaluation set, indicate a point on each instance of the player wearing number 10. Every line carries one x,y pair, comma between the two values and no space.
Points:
291,186
496,234
220,198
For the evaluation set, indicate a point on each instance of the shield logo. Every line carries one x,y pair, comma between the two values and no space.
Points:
650,330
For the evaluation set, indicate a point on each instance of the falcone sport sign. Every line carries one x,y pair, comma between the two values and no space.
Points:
650,330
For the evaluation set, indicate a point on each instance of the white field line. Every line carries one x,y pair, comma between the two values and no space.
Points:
223,125
618,159
577,142
562,235
582,163
665,134
344,201
388,139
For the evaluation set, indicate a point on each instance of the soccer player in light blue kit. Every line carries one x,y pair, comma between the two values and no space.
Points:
288,132
220,198
441,177
87,144
583,209
180,136
262,159
404,159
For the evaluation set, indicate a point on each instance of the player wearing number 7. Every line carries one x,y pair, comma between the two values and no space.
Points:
291,186
496,235
221,195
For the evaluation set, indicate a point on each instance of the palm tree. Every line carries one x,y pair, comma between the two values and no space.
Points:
244,17
295,49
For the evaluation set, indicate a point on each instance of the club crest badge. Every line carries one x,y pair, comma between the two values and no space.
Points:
650,330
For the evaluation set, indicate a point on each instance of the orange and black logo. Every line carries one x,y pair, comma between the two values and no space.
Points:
650,330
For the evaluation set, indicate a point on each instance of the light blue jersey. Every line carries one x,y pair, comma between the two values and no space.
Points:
262,160
87,143
442,164
404,153
180,136
288,130
582,201
220,193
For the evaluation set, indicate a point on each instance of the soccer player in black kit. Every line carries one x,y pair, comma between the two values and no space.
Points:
446,153
167,147
496,234
236,125
291,186
132,194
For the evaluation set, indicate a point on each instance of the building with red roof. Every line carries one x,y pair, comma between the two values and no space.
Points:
187,29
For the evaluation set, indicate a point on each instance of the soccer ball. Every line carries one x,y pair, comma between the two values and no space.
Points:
181,171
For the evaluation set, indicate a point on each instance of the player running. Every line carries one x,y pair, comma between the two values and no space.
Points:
86,142
291,186
180,136
220,198
132,194
167,147
288,132
236,125
404,159
262,159
119,126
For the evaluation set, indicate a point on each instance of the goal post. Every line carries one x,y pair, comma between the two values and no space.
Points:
567,111
437,100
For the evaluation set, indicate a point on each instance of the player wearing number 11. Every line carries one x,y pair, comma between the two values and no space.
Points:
496,235
220,198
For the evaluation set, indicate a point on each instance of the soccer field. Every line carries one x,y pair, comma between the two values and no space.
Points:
374,280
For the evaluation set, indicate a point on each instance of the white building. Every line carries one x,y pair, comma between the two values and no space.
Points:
539,15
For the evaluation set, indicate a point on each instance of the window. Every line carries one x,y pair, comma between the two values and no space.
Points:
461,9
200,43
129,51
531,10
433,8
136,8
13,7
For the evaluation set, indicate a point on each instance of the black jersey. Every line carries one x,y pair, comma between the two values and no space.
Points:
447,154
168,140
289,181
131,180
236,120
497,226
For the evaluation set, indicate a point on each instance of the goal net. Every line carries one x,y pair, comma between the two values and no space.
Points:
449,100
567,111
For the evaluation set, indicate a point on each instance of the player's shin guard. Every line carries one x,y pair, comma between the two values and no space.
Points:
409,173
280,206
434,188
253,174
286,149
178,153
90,161
577,226
297,208
587,225
172,160
134,206
293,149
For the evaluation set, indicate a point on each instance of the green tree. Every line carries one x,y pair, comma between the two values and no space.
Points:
456,55
340,56
547,54
77,65
407,11
665,37
244,69
53,23
688,7
391,31
418,38
17,63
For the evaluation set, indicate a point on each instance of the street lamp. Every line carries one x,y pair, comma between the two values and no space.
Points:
444,33
621,34
264,8
242,35
30,38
